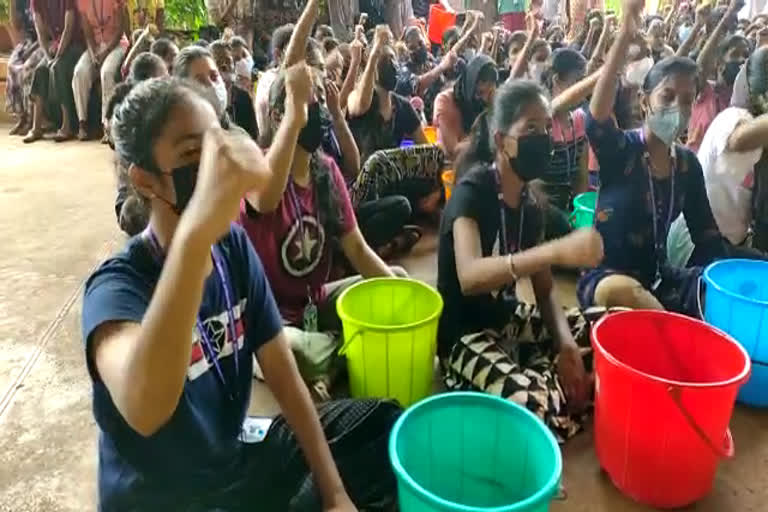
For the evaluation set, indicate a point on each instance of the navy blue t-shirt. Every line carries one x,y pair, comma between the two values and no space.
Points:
197,452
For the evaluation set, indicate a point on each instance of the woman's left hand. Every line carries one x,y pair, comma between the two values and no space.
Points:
573,377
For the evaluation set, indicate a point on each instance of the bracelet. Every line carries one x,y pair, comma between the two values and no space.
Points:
511,266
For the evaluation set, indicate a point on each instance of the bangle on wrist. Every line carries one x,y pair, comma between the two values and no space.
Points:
511,267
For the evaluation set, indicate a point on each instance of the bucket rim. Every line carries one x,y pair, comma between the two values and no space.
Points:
546,493
739,378
710,282
345,317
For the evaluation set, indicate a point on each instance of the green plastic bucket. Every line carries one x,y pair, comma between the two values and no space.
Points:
473,452
390,338
583,215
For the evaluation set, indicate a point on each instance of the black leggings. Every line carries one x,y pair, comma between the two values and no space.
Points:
276,476
381,220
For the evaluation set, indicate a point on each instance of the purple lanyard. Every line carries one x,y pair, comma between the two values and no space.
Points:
205,337
658,241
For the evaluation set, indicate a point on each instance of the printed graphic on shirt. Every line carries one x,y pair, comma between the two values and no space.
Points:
301,252
218,330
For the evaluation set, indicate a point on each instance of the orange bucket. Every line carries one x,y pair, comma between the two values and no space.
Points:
449,178
439,21
431,134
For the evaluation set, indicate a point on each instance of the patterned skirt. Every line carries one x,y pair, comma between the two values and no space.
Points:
519,362
21,69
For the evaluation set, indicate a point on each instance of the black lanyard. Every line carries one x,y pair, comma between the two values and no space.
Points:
504,246
659,239
207,342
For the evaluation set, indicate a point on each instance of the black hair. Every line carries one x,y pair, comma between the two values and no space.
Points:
238,42
729,42
140,118
324,31
757,81
538,45
209,33
565,61
451,33
121,91
146,65
330,44
186,57
510,101
668,67
280,38
218,46
162,47
326,196
201,43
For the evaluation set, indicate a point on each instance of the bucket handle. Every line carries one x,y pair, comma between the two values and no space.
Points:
347,342
699,293
727,451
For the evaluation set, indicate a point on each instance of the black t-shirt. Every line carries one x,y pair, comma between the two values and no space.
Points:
372,133
476,197
421,7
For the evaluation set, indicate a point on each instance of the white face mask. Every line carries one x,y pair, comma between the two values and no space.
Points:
244,67
536,70
636,71
221,93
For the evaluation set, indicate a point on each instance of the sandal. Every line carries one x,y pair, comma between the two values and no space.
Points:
82,135
20,128
61,136
32,136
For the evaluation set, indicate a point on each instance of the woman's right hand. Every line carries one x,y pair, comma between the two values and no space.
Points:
231,164
582,248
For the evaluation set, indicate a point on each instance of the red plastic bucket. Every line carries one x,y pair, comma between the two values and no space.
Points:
664,394
439,21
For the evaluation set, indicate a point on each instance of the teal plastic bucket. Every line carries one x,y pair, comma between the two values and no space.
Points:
473,452
583,210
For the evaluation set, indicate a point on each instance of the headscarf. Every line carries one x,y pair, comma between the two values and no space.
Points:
481,67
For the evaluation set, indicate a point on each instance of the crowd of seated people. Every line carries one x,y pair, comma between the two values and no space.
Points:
277,160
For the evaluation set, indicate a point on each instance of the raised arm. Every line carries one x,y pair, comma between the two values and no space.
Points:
298,87
296,50
708,56
426,80
350,164
589,43
472,24
361,97
702,13
144,365
356,56
749,135
601,105
575,94
597,58
521,63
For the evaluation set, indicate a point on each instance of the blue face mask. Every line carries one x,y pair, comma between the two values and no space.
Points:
668,123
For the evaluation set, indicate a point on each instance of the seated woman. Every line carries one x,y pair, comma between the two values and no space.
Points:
456,110
239,104
531,350
380,120
647,180
171,325
297,220
21,66
730,156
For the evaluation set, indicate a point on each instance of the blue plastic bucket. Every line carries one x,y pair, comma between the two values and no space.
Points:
473,452
737,303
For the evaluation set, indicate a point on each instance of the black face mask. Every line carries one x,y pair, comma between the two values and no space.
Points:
420,55
184,180
387,76
534,156
732,68
311,136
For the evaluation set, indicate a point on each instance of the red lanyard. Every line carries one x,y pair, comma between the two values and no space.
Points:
205,337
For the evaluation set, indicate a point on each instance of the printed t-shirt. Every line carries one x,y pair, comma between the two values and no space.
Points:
197,451
297,266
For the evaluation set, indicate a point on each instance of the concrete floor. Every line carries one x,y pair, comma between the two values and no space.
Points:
57,224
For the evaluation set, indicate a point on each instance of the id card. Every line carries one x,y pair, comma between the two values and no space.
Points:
255,429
